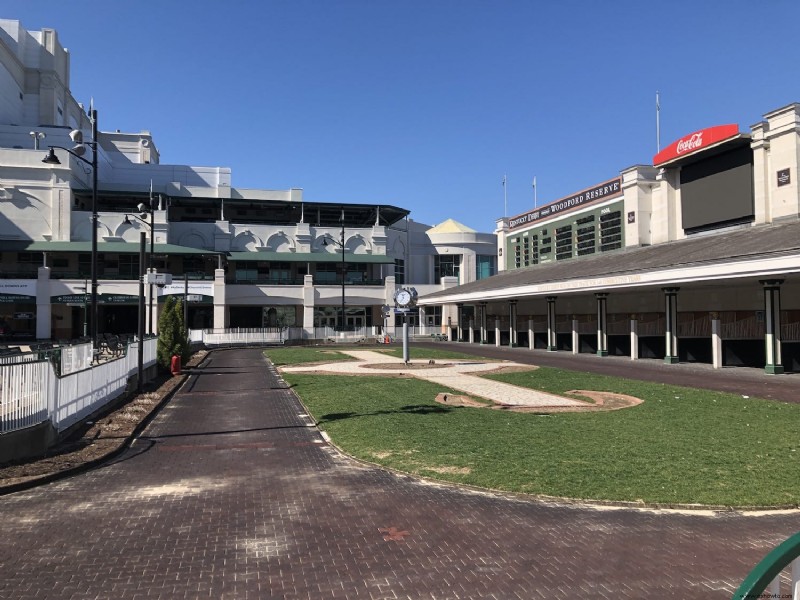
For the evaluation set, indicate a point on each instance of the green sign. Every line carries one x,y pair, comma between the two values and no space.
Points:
71,299
17,298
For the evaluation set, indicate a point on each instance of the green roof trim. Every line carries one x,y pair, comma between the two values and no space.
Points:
311,257
105,247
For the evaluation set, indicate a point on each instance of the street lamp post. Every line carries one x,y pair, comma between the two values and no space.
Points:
143,210
78,151
140,357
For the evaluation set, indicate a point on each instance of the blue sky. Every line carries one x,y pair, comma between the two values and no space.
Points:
423,104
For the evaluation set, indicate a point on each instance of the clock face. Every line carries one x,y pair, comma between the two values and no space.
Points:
403,297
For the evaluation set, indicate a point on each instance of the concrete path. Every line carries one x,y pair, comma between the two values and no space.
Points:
452,374
231,493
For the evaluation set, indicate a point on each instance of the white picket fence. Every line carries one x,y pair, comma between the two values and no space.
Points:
281,335
31,392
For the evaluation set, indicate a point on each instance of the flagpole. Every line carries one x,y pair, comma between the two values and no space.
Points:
535,203
658,124
505,198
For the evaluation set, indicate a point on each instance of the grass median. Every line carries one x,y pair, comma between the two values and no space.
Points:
681,446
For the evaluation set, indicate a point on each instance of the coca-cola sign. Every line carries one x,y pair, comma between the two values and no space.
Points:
694,142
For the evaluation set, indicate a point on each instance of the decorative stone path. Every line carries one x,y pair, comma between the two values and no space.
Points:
455,374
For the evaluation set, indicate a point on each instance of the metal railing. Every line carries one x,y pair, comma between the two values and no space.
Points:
767,576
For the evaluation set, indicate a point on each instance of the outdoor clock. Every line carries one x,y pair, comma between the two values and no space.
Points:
405,297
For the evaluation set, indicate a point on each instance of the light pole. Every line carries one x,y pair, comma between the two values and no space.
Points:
37,136
344,267
80,148
140,357
143,210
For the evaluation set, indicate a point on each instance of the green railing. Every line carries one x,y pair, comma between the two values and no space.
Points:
765,577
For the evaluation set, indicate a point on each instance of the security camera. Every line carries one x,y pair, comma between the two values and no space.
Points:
76,135
141,207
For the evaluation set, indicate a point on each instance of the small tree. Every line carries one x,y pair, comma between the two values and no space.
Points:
172,338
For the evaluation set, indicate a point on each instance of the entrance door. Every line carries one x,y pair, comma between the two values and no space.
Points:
355,322
325,321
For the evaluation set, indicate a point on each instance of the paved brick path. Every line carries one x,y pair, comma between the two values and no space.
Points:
231,494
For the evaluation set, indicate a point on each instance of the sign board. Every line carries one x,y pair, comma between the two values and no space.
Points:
694,142
784,177
603,191
24,315
194,297
402,311
158,278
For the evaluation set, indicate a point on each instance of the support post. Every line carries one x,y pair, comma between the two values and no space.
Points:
772,325
552,339
140,357
512,327
671,325
576,338
634,338
602,324
716,341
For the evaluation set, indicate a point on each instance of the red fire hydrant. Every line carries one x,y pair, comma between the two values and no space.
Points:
175,365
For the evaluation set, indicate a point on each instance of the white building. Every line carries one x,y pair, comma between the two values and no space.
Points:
695,257
251,258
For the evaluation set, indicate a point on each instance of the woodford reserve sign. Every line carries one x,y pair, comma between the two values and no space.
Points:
603,191
694,142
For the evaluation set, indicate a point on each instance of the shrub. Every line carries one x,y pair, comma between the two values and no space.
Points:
172,334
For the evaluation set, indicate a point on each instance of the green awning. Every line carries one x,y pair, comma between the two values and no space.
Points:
310,257
105,247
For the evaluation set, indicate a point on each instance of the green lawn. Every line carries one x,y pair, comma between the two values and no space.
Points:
680,446
296,355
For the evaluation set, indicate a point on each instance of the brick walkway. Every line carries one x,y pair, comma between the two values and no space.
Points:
231,493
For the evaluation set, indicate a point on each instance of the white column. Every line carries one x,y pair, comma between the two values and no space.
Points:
634,338
552,339
772,325
308,305
671,325
602,326
44,314
497,332
716,340
530,334
471,331
576,341
220,309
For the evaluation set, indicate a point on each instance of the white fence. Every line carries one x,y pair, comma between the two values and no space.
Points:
280,335
31,392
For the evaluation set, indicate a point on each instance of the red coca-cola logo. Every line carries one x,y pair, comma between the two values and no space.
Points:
695,141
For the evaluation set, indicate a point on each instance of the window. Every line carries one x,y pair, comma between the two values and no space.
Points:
356,273
484,267
84,265
399,271
326,273
447,265
29,262
280,271
128,266
611,231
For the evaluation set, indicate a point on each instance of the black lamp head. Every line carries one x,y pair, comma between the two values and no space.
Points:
51,158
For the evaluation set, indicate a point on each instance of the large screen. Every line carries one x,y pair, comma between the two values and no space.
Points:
718,191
